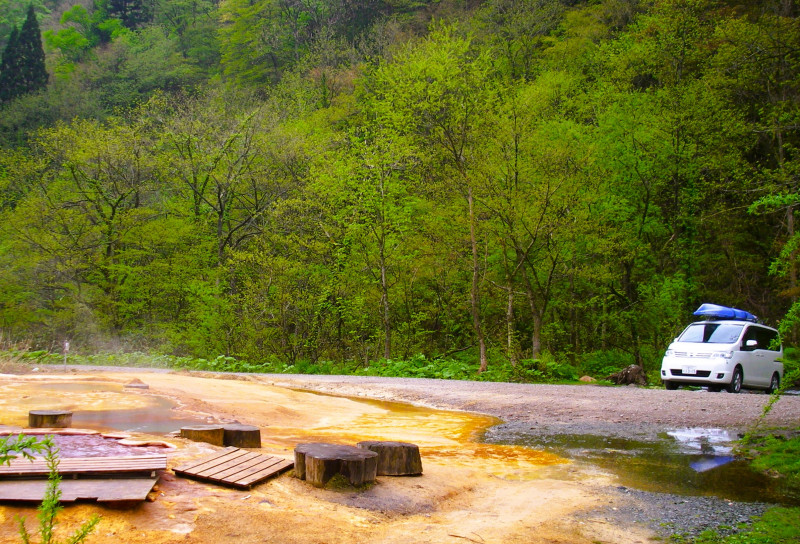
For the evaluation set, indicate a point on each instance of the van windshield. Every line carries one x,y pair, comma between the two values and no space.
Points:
712,333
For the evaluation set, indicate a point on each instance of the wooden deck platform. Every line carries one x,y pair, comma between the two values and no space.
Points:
120,492
235,467
80,467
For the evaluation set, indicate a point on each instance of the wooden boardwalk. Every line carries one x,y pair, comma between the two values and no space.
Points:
127,466
121,480
235,467
121,492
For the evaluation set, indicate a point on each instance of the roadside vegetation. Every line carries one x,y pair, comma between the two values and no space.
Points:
532,185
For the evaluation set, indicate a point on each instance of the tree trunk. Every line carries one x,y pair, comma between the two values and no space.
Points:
511,328
474,292
387,323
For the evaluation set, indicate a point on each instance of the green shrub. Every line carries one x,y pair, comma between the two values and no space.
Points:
600,364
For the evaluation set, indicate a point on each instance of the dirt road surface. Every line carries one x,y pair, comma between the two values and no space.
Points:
469,492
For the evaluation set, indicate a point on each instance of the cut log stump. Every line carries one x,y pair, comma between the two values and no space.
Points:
395,458
213,434
318,462
49,418
241,436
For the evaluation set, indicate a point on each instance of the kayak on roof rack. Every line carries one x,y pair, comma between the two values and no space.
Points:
715,311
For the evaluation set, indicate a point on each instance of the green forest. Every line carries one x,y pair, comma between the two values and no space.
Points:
538,189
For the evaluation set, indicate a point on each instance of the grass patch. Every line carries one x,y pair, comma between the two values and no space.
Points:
776,526
777,453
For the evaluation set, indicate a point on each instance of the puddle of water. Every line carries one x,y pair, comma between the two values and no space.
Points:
154,420
695,462
100,406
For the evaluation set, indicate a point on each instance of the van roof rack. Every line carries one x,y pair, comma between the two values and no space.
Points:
715,311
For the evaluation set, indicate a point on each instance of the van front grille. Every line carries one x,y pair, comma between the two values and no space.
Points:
698,374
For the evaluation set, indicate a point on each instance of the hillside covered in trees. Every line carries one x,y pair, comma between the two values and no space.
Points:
299,181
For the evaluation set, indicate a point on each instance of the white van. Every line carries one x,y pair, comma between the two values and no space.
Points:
729,350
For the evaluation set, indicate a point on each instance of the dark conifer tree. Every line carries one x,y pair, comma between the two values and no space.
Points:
9,68
22,69
132,13
31,55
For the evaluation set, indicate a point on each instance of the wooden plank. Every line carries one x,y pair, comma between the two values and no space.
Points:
240,460
85,466
224,470
281,466
261,466
230,454
192,464
118,490
239,468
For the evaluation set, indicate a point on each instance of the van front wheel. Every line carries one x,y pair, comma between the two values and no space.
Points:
736,381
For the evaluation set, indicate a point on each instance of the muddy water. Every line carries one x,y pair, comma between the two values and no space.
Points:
684,461
95,405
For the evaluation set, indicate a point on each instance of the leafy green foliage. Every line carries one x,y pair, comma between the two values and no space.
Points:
544,189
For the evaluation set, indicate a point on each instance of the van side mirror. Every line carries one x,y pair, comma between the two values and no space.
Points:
751,344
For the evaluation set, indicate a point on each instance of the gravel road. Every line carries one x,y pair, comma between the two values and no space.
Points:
561,406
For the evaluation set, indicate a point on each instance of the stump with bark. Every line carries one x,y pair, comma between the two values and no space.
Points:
213,434
241,436
318,462
49,418
632,374
395,458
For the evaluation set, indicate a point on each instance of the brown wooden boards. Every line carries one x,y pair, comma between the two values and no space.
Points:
145,465
117,490
235,467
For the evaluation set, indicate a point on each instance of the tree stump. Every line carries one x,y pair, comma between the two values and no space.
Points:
395,458
241,436
49,418
213,434
317,463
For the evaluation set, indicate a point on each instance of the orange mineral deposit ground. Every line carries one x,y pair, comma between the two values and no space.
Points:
469,492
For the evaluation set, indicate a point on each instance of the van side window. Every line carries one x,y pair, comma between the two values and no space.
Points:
765,339
752,333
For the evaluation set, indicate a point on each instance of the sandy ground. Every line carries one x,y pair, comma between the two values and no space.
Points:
469,492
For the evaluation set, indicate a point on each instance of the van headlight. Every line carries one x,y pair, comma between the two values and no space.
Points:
722,355
669,353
